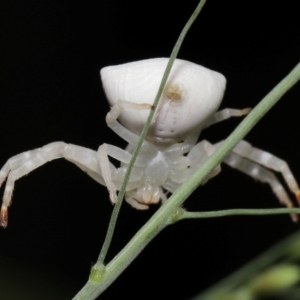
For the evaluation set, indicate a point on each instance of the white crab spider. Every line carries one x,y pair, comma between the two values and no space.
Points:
170,154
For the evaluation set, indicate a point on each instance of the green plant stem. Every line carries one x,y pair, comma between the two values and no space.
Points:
251,269
164,215
238,212
116,210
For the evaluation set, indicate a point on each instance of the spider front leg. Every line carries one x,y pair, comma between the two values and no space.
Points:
111,180
106,150
225,114
120,130
22,164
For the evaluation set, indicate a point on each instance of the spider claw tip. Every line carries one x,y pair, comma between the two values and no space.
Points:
3,217
295,218
297,194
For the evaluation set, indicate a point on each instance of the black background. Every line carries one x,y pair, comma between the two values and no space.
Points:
50,56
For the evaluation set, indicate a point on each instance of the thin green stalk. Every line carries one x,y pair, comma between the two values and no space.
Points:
115,213
238,212
164,215
285,249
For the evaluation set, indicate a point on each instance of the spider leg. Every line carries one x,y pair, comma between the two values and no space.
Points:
110,179
186,166
225,114
269,161
256,169
163,196
22,164
198,155
122,155
171,186
179,149
114,113
107,176
134,203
